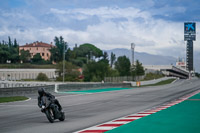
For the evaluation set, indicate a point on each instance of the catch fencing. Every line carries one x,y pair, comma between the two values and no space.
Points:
122,79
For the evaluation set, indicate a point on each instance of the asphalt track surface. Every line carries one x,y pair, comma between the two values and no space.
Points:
86,110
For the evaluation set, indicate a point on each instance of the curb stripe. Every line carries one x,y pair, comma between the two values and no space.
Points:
100,128
146,113
112,125
117,122
125,120
135,116
132,117
94,131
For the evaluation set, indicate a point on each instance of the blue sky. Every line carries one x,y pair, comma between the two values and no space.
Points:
155,26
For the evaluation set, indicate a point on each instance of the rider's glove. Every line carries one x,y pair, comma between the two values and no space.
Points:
42,108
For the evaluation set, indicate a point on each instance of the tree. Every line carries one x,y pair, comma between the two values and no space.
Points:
95,71
25,56
137,70
83,54
71,56
112,72
8,51
55,55
112,59
71,71
15,43
9,42
14,51
37,58
4,52
79,61
42,77
123,66
151,76
88,50
57,52
105,57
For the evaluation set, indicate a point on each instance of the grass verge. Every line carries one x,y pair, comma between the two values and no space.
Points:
12,99
27,65
168,81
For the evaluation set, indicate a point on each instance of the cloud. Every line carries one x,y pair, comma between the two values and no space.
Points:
106,27
103,13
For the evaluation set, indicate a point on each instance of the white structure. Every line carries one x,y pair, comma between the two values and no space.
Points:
180,63
168,70
19,74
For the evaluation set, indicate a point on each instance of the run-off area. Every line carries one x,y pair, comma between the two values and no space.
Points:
181,118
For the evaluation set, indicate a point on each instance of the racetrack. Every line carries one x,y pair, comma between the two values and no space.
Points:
85,110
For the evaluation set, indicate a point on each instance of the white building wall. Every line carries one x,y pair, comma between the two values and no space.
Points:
19,74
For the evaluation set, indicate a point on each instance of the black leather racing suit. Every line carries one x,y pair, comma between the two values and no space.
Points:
52,98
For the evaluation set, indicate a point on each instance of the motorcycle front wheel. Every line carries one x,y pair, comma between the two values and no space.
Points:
50,115
62,118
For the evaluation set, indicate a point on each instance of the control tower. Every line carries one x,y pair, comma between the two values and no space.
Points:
189,36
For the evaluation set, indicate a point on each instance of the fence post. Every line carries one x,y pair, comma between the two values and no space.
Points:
56,88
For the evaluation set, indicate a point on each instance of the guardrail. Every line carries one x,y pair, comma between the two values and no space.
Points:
151,81
68,86
22,91
84,86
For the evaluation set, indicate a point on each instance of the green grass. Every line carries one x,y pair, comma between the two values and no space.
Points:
27,65
33,80
12,99
197,96
168,81
151,76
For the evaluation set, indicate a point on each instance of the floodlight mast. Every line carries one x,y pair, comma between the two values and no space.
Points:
132,51
64,50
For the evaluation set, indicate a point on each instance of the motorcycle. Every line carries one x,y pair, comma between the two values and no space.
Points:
51,110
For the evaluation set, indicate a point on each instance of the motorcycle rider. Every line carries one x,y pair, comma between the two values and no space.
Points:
42,92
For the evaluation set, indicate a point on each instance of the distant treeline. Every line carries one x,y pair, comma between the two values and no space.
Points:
9,51
84,62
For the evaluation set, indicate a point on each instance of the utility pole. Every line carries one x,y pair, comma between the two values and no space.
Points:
64,62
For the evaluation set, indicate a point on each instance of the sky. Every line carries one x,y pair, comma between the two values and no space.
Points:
155,26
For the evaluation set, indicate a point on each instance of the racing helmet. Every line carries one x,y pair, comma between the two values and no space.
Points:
41,91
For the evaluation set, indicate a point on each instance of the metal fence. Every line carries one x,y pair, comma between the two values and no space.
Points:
123,78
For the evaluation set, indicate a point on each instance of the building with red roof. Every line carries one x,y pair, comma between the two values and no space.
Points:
38,47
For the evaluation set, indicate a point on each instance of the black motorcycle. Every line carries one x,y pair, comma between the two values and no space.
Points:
51,110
